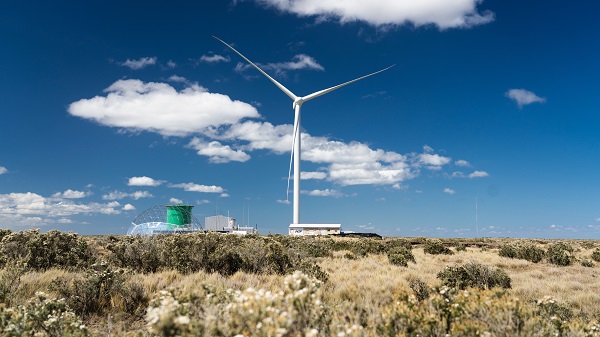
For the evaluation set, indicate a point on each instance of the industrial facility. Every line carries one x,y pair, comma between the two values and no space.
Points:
165,219
315,229
226,224
178,219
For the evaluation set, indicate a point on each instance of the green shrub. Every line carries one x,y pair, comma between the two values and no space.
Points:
397,260
189,253
400,256
460,247
42,251
436,247
398,243
531,253
522,250
420,288
92,292
313,270
474,274
596,255
587,263
364,247
560,254
548,307
350,256
508,250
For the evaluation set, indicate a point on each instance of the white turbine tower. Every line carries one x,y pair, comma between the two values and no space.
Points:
298,101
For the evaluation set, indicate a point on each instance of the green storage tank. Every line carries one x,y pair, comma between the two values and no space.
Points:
178,216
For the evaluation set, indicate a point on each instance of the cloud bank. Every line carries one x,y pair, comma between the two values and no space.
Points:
158,107
441,13
224,130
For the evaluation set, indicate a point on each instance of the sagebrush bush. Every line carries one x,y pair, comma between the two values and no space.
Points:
189,253
420,288
474,274
42,251
587,263
295,310
41,317
436,247
596,255
400,256
560,254
460,247
94,292
522,250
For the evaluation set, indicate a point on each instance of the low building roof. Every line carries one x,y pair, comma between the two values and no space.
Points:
316,225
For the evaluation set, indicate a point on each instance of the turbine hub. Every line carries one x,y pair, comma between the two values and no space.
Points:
297,102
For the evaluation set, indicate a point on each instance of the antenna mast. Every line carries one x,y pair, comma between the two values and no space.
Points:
476,216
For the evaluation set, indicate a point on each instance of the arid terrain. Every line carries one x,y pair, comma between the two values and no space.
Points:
62,284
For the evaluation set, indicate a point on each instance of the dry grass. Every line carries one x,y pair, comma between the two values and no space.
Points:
370,282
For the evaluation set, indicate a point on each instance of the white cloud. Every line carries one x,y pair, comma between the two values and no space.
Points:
128,207
478,174
433,161
597,219
224,195
462,163
70,194
158,107
32,209
449,190
324,193
139,63
217,152
140,194
175,201
3,170
171,64
213,58
427,149
178,79
118,195
313,175
442,13
298,62
143,181
191,187
524,97
203,201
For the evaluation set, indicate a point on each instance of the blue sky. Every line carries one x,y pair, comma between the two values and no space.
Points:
110,108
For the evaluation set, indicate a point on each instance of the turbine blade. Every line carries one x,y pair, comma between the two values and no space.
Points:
323,92
294,133
279,85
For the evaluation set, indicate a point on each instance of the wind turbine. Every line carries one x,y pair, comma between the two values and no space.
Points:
298,101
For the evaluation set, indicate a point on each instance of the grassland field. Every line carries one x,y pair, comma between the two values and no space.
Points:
63,284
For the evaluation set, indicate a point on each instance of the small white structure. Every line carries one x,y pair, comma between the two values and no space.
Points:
315,229
219,223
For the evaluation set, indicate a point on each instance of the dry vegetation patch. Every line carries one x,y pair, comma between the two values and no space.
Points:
216,285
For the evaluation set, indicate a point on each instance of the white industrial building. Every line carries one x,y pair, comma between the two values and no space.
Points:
315,229
225,224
